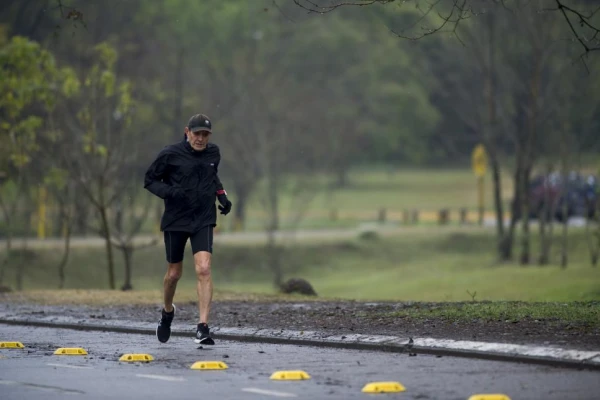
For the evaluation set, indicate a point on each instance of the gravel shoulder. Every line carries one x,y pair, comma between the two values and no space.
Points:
336,317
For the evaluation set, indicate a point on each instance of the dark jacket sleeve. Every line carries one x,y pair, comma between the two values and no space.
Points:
155,174
217,180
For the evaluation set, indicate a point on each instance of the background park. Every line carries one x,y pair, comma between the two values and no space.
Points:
384,152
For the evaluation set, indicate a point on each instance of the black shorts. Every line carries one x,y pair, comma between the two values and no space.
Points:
175,243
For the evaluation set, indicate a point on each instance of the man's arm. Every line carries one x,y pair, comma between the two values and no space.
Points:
155,174
225,206
220,189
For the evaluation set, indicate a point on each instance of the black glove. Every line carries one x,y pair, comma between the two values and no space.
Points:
225,206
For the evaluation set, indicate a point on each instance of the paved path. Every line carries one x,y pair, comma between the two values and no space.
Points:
36,373
308,235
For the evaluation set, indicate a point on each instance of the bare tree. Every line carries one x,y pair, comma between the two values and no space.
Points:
129,218
443,16
98,149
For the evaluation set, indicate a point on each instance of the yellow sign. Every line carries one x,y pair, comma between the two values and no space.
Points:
479,159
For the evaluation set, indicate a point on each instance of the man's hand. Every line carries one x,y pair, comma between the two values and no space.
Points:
225,206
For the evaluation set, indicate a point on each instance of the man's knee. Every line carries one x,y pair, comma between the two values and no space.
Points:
174,271
202,263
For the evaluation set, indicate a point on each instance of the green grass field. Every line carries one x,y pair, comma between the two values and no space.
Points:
368,191
420,264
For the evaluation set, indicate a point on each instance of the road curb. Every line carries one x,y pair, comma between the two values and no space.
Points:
549,356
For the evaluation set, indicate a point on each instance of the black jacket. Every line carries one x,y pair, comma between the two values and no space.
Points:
187,181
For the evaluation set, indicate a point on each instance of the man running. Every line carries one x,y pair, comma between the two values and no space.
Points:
185,176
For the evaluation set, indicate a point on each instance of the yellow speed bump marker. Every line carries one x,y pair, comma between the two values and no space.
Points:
11,345
70,351
209,365
383,387
492,396
136,357
290,375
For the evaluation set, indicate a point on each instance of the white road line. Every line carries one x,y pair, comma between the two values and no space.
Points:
162,377
68,366
268,392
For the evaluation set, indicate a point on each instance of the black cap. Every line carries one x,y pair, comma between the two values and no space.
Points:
199,122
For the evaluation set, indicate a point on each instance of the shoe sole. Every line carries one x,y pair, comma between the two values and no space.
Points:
206,341
174,312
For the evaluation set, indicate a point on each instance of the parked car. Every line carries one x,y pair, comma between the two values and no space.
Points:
579,193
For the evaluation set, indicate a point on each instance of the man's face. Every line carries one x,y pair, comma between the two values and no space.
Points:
198,140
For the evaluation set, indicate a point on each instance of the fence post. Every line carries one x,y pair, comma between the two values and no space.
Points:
415,216
382,215
443,216
463,216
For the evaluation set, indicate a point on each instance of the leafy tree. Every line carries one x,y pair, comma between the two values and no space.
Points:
99,148
30,83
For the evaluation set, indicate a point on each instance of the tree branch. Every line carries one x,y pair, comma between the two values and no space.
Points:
315,8
461,10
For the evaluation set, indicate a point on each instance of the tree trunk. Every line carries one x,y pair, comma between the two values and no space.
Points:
505,239
9,237
545,216
341,175
565,162
273,253
506,244
564,248
597,234
127,252
497,196
529,150
108,245
525,240
544,258
545,234
22,264
81,218
9,212
272,249
67,250
564,257
593,244
242,192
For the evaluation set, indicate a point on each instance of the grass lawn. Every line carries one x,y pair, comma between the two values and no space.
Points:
427,190
419,264
367,191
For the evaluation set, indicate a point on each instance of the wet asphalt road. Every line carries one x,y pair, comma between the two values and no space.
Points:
36,373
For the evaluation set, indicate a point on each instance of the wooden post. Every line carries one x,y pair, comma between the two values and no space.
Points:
333,215
382,215
443,216
480,193
415,216
463,216
405,217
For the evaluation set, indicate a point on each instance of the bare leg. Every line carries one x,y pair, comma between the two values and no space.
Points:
204,284
170,284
